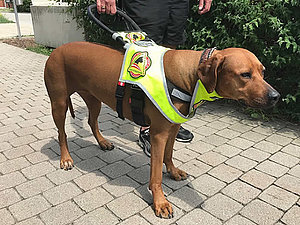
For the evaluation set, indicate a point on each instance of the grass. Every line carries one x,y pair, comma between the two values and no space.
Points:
4,20
40,49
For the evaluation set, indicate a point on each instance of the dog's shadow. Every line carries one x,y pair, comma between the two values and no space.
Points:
125,166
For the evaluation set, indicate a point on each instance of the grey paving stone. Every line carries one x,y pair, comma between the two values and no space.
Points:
93,199
113,156
90,165
218,125
60,176
88,152
29,207
137,160
266,130
26,130
261,212
279,139
292,150
141,175
289,132
272,168
205,131
289,183
2,158
24,140
31,221
8,197
295,171
195,167
207,185
279,197
6,217
4,146
11,180
225,173
241,163
240,143
62,193
221,206
116,169
120,186
292,217
54,215
99,216
184,155
13,165
37,157
239,220
212,158
18,152
38,170
253,136
198,217
240,127
241,192
285,159
258,179
120,208
200,147
215,140
186,198
296,141
255,154
227,150
136,220
91,180
268,147
228,133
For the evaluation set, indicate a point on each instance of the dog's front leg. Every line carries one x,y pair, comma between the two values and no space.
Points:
158,139
175,173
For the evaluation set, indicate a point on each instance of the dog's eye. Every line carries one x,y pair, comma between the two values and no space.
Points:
246,75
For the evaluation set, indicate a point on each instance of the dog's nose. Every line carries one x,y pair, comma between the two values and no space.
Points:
273,96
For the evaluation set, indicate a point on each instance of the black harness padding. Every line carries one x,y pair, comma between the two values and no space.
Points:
120,91
137,104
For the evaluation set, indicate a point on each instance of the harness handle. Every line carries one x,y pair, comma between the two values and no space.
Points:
92,12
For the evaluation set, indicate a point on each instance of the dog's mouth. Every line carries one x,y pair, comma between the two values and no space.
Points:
259,103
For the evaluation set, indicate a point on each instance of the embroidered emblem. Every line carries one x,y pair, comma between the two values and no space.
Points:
133,37
139,64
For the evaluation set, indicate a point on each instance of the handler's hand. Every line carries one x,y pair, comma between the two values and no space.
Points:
204,6
106,6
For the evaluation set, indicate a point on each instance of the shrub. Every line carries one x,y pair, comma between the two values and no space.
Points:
270,29
25,7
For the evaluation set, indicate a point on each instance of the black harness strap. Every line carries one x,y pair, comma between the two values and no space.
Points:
137,103
120,91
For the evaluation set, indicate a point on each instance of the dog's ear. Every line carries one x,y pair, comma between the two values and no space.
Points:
208,72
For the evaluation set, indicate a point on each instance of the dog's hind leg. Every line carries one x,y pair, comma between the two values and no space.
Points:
94,106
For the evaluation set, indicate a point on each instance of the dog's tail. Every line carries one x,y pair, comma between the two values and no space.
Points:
71,107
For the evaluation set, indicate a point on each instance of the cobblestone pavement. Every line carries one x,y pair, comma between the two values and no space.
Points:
242,171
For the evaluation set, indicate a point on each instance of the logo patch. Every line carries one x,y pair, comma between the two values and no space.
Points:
133,37
139,64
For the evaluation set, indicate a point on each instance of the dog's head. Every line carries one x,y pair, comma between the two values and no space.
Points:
237,74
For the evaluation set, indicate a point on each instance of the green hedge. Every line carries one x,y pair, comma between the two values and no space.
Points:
270,29
25,7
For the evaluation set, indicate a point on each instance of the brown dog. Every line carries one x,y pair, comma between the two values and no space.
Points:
93,71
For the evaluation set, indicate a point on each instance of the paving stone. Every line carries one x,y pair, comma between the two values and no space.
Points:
240,143
13,165
186,198
137,160
88,152
24,140
205,131
54,215
221,206
8,197
2,158
258,179
279,139
61,176
38,170
241,163
149,215
240,127
267,147
228,133
292,217
116,169
97,217
225,173
292,150
91,180
218,125
26,130
288,132
136,220
295,171
11,180
195,167
6,217
241,192
285,159
266,130
296,141
289,183
93,199
198,217
261,212
120,186
5,146
113,156
185,155
212,158
18,152
31,221
207,185
253,136
90,165
29,207
37,157
141,175
215,140
120,209
227,150
239,220
272,168
255,154
278,197
62,193
200,147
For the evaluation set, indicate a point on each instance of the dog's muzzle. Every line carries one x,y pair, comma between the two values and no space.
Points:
273,97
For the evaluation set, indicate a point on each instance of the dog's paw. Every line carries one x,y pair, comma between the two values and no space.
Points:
106,145
66,164
164,210
178,174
